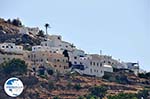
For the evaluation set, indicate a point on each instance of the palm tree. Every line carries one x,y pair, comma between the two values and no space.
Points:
47,26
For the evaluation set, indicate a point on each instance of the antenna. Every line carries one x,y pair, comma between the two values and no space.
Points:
100,52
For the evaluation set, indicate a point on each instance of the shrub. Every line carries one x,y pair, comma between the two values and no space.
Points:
99,91
50,71
77,86
123,96
56,97
14,66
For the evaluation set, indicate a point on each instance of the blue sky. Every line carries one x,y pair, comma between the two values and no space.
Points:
120,28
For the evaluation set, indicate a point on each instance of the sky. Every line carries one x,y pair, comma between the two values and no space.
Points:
120,28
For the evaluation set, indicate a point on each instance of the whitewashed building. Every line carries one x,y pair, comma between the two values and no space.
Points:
54,44
11,47
31,31
93,66
133,67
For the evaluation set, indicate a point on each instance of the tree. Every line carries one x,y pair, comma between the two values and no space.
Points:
56,97
144,75
14,66
50,71
77,86
41,70
41,33
46,27
9,21
16,22
66,54
144,93
123,96
99,91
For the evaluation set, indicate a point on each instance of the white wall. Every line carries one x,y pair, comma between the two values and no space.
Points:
11,47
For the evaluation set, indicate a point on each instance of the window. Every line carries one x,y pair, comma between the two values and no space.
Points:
55,65
3,46
11,46
45,44
75,57
91,70
90,63
60,66
3,58
97,64
94,63
101,64
58,60
59,38
65,67
66,61
75,62
6,46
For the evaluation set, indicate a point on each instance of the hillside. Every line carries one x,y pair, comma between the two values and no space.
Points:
50,86
10,33
69,85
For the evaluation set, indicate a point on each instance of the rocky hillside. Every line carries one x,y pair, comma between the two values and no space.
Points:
9,32
71,86
68,86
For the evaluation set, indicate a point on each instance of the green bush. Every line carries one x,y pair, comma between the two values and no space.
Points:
123,96
98,91
56,97
50,71
14,66
144,93
146,75
77,86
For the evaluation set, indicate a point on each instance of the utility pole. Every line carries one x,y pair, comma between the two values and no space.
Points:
100,52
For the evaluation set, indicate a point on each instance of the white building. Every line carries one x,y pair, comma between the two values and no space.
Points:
30,31
133,66
47,49
54,44
11,47
94,66
56,41
107,68
75,55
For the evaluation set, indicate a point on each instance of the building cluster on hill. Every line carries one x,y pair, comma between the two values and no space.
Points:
62,56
